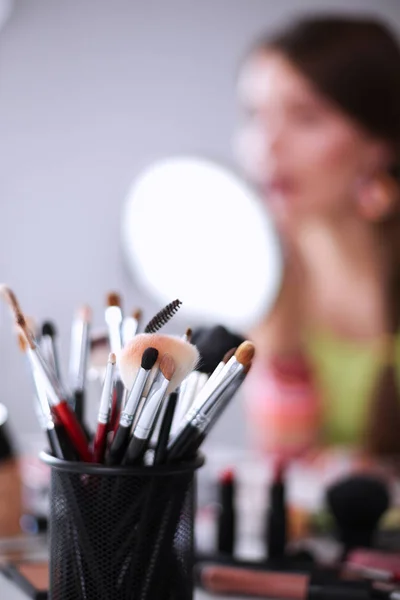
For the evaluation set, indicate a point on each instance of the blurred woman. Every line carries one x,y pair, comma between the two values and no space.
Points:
320,137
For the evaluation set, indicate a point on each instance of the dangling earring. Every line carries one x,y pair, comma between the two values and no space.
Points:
377,197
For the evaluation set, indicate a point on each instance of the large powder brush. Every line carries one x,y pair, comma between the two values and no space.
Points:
185,356
213,343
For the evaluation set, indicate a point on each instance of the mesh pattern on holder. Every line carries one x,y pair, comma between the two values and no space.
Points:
121,534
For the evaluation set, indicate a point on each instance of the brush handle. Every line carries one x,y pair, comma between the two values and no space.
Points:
67,449
79,404
54,442
184,442
118,393
136,450
100,442
68,419
160,456
118,446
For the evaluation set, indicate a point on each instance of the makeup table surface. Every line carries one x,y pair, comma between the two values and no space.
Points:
8,591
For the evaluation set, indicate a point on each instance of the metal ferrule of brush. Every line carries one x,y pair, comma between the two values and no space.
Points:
232,367
150,410
208,402
113,317
125,419
133,401
222,402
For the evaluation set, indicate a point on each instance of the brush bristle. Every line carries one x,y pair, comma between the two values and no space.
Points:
114,299
162,317
137,314
245,353
149,358
22,342
11,299
22,324
48,328
229,355
188,334
167,366
185,356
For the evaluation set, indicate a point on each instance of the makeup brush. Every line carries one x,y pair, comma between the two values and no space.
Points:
185,356
100,438
238,363
203,422
184,405
142,429
197,421
42,407
357,503
58,440
130,326
113,318
48,346
162,317
160,455
11,299
188,390
59,405
121,437
79,354
221,365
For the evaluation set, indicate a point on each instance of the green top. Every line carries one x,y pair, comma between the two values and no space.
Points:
347,372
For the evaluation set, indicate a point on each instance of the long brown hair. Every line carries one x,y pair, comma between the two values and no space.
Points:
355,63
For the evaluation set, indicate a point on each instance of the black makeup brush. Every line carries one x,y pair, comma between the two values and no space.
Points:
213,343
162,317
357,503
160,455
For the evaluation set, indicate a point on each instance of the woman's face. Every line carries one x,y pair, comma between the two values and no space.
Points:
304,154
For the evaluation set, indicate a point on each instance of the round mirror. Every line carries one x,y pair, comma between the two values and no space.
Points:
196,231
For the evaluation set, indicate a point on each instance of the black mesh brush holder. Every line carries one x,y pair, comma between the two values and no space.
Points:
121,533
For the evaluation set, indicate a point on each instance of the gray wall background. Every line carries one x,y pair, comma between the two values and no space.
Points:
91,92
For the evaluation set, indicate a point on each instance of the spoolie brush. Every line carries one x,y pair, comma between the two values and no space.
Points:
162,317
